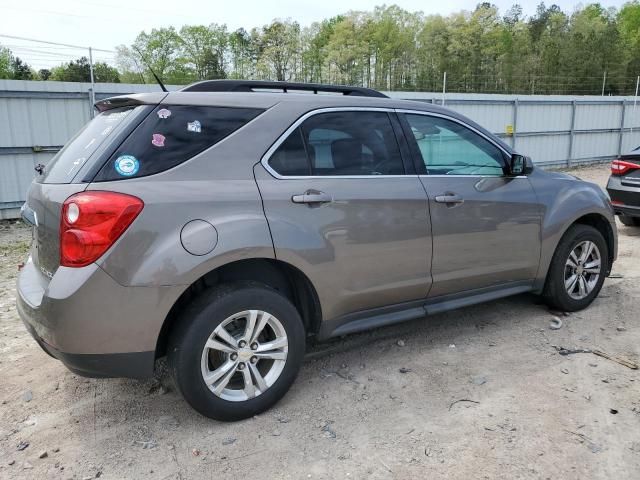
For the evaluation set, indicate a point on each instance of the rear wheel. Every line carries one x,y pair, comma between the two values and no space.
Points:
236,351
577,270
629,221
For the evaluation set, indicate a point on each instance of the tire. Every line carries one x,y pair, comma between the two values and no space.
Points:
230,308
629,221
556,294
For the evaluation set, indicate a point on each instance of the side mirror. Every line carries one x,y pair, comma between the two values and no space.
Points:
520,165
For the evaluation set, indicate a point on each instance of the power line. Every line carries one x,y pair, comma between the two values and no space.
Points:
56,43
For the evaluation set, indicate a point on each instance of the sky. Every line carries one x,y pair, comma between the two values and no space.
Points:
104,24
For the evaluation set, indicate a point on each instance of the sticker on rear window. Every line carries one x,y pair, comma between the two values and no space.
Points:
127,165
164,113
194,126
157,140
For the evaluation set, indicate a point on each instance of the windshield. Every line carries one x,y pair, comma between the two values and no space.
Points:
66,164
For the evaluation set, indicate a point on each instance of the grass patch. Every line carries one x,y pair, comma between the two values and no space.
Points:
15,248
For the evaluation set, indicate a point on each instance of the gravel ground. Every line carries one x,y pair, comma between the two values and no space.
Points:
484,394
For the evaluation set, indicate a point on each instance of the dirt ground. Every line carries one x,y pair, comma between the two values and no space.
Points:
484,395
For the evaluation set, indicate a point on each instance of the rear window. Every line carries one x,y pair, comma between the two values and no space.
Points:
79,150
171,135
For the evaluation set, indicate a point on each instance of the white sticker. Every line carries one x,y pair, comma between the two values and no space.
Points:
194,126
164,113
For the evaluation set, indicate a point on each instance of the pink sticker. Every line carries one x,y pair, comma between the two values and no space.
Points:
164,113
158,140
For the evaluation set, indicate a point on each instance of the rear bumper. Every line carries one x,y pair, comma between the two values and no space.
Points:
626,210
130,365
94,325
625,198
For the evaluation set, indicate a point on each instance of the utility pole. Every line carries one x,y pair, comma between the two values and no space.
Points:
93,84
444,87
635,101
604,81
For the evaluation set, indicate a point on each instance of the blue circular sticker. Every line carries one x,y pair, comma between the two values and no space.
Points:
127,165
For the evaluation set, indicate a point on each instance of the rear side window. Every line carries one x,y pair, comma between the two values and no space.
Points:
171,135
340,144
66,164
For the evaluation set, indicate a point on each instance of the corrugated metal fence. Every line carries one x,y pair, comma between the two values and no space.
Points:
37,118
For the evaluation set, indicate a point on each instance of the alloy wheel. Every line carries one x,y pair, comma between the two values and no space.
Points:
582,270
244,355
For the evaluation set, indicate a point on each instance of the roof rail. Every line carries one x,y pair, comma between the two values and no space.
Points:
253,85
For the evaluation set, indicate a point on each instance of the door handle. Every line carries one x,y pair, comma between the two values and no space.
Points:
312,197
449,198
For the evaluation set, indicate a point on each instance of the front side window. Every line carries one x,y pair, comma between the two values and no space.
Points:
340,144
448,148
171,135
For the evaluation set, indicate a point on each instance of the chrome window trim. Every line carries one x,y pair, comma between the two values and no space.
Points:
269,153
459,122
267,156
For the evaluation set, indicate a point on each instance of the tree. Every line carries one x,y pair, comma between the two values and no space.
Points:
80,71
6,69
161,51
21,70
203,49
279,44
389,48
44,73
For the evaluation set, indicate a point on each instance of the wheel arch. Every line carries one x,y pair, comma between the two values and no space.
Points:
600,223
596,220
279,275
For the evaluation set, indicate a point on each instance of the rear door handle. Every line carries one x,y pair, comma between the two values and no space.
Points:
449,198
312,197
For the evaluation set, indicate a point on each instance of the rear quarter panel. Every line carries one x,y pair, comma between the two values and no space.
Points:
216,186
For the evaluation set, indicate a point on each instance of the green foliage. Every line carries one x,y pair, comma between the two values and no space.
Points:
5,63
21,71
389,48
80,71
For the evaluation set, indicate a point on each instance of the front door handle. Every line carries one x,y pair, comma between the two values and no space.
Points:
449,198
312,197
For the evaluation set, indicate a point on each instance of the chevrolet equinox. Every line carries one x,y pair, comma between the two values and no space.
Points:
227,224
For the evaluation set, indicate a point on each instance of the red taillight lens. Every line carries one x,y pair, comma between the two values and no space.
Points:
620,167
91,222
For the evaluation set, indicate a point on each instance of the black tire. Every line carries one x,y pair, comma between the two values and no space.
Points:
555,294
629,221
197,323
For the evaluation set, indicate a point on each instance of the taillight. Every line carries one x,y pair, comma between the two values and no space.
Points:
620,167
91,222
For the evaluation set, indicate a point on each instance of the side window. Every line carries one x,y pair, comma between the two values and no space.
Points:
448,148
339,144
171,135
291,157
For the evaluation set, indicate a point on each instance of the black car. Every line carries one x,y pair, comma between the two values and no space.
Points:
624,187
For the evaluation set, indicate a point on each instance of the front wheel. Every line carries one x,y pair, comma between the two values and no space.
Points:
577,270
236,351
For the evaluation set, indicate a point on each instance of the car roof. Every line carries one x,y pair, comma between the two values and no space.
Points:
266,100
300,102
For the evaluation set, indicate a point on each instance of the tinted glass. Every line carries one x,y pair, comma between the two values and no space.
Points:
291,158
352,143
448,148
66,164
171,135
340,143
